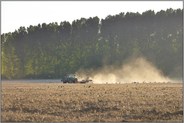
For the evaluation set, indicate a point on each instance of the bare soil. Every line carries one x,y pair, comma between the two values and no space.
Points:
57,102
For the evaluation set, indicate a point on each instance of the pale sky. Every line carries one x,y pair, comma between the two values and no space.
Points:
24,13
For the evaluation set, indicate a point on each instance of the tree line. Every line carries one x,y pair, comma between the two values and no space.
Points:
53,50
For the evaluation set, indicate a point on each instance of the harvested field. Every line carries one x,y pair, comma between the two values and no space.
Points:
57,102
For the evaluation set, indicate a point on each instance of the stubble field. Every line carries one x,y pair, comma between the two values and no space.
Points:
57,102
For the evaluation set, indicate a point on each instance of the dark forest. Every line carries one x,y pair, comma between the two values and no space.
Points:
53,50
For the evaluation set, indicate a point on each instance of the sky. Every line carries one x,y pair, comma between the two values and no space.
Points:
25,13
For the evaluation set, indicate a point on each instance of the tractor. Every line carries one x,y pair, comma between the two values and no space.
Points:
69,79
72,79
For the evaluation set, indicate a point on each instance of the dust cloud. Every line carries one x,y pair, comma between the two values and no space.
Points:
134,70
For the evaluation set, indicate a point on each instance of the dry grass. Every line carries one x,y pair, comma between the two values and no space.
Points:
57,102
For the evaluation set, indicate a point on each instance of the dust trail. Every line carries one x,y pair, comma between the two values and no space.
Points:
134,70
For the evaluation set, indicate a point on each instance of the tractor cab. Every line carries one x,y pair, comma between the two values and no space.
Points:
69,79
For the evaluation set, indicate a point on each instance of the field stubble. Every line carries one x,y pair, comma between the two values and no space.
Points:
57,102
